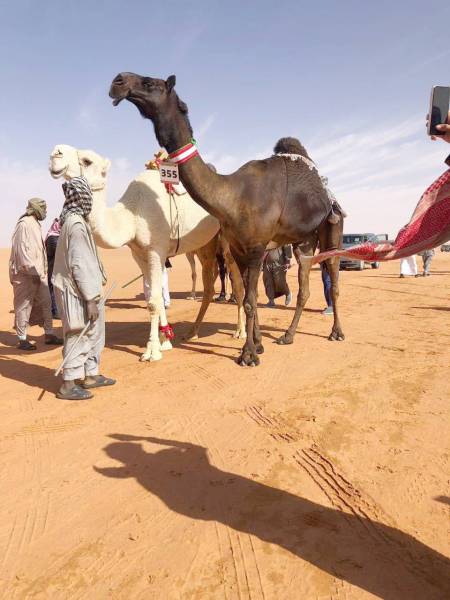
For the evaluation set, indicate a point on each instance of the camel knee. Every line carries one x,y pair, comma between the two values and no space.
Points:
154,306
248,309
302,297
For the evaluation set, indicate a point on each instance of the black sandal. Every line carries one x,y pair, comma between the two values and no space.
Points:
76,393
101,381
26,345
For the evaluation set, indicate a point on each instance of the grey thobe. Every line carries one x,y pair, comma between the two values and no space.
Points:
78,276
28,275
427,257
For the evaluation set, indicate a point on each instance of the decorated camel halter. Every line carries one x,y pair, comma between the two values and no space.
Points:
184,153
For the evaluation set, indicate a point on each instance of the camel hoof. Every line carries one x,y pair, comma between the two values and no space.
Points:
248,359
285,340
166,345
336,336
239,335
190,337
151,356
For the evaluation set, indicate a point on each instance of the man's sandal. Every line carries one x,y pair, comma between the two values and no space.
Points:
76,393
101,381
26,345
52,340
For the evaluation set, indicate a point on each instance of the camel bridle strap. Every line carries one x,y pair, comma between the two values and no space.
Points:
184,153
172,199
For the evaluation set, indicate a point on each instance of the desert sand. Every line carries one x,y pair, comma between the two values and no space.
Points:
322,474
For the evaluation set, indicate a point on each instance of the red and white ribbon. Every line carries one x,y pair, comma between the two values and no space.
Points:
183,154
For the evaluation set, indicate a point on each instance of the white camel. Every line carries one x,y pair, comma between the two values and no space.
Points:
154,226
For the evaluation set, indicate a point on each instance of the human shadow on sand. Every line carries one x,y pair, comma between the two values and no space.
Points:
9,343
377,558
30,374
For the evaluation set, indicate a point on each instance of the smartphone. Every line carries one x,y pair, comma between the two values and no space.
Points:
439,107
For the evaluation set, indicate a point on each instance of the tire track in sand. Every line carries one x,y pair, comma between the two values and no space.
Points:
370,517
32,507
276,430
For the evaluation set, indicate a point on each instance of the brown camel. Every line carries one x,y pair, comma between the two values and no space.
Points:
270,202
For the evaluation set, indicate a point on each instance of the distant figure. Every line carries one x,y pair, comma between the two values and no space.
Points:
78,277
51,242
427,257
28,275
408,266
276,263
326,280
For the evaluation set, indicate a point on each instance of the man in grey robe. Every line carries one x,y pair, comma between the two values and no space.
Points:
427,257
28,276
78,277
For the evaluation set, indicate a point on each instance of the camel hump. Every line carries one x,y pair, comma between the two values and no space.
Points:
290,145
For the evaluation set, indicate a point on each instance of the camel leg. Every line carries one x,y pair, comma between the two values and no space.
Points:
207,257
250,268
221,261
330,236
191,258
165,344
155,305
237,289
304,268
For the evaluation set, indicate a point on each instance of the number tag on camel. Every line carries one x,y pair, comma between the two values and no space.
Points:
169,173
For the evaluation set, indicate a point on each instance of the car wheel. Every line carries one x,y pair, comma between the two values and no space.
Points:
375,265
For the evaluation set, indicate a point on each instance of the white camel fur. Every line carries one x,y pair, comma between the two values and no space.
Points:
152,225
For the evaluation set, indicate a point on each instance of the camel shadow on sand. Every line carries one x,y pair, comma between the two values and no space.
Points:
377,558
120,334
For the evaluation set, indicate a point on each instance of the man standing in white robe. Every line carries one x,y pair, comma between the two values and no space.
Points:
78,277
408,266
28,276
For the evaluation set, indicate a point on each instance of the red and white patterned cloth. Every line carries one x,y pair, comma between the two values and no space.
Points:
429,227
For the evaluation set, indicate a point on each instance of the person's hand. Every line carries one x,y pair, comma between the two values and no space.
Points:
444,128
92,310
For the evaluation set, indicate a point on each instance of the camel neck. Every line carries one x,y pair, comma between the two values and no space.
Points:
207,188
110,225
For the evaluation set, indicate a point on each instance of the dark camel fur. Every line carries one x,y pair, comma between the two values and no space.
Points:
273,200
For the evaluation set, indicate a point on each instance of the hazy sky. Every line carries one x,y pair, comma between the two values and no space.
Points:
351,79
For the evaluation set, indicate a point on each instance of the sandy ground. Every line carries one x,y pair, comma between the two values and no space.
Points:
322,474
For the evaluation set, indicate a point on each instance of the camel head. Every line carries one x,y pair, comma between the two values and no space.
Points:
155,99
68,162
149,95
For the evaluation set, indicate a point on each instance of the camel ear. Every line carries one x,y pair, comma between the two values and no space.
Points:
105,167
170,82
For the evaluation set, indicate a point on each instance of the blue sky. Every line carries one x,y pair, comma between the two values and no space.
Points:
350,79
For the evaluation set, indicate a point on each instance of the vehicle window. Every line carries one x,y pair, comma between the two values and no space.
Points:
352,239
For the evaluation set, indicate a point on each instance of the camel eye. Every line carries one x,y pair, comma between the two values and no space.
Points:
87,162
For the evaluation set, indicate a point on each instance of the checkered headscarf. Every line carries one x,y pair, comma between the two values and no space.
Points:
78,198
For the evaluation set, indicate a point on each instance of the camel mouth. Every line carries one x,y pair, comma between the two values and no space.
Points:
57,174
118,95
